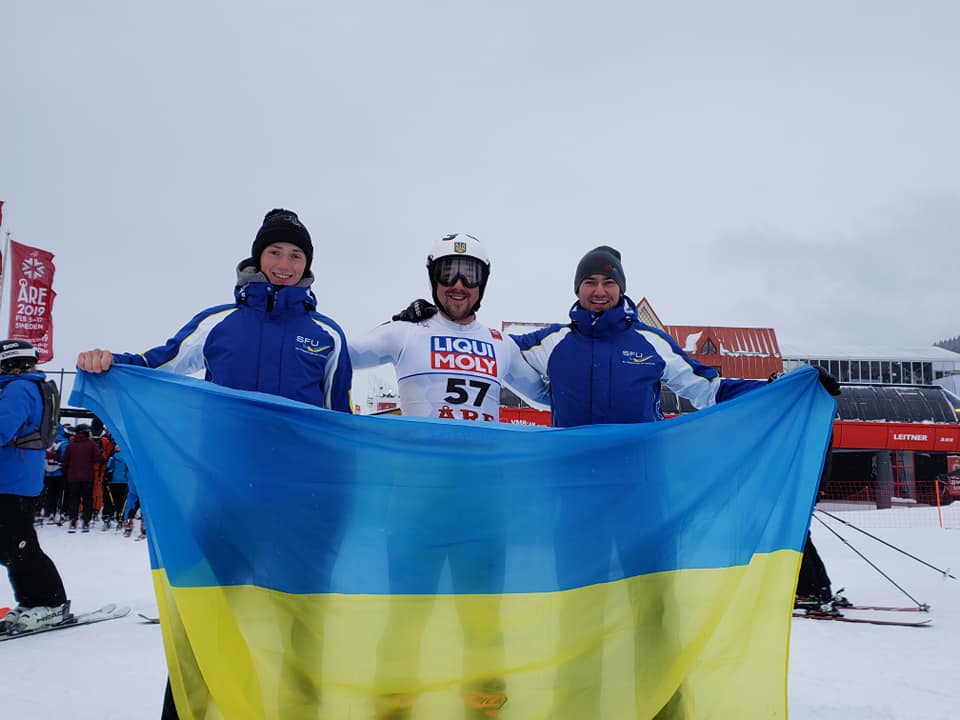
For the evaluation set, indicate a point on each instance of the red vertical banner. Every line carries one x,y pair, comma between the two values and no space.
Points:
31,297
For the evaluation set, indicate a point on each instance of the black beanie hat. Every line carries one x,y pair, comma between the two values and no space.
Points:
281,225
603,260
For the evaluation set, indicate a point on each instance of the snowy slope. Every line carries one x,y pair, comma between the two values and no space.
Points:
855,672
116,671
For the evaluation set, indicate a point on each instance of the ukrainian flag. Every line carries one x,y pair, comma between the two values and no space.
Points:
312,564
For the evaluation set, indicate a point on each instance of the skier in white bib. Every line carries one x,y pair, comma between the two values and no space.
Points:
449,367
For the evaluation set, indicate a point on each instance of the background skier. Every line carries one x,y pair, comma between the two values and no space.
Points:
37,587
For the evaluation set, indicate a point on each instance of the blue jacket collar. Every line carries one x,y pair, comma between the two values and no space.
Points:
600,325
267,297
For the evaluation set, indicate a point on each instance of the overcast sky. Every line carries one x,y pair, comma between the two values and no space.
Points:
757,164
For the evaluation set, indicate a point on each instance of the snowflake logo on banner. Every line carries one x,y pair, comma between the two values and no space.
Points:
33,269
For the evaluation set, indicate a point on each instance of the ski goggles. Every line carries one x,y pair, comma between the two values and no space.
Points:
446,270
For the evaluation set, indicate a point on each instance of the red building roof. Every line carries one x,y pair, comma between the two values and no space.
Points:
735,352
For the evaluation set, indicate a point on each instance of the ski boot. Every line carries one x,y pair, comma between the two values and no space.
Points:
128,528
34,618
9,620
818,604
839,601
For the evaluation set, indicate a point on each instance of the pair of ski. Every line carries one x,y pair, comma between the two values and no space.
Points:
838,616
107,612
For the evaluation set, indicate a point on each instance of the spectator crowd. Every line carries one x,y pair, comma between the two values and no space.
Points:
87,483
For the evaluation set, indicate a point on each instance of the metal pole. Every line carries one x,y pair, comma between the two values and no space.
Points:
884,481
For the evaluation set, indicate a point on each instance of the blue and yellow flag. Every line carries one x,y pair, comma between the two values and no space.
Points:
312,564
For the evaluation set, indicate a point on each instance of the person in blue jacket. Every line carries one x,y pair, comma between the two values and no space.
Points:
271,339
116,486
37,587
53,482
605,366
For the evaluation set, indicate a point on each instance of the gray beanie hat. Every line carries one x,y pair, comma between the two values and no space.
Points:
603,260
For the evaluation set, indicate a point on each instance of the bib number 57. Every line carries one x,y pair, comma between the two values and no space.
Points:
459,391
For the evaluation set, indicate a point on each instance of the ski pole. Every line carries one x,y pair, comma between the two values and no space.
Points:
945,573
867,561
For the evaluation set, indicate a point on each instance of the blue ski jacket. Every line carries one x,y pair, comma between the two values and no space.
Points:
271,340
609,368
118,470
21,410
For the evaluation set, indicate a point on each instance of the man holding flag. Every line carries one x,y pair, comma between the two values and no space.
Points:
449,367
273,340
606,347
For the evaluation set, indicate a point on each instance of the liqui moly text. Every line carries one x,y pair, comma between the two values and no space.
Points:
462,354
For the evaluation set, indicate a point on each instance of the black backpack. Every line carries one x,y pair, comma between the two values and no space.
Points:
43,437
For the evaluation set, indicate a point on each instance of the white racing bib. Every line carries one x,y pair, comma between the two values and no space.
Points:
449,371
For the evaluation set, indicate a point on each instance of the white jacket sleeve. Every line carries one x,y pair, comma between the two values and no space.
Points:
524,380
679,376
380,346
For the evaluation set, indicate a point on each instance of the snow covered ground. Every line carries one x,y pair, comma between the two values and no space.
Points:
838,671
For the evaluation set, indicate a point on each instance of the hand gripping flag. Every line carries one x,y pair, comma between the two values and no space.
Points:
312,564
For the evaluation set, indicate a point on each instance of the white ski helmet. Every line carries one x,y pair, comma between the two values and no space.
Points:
458,245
